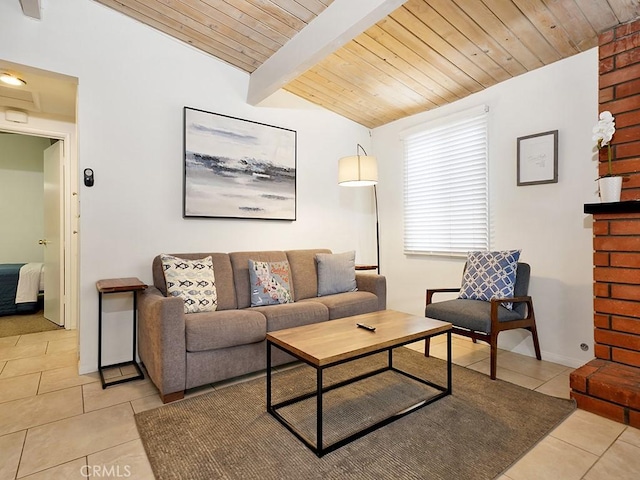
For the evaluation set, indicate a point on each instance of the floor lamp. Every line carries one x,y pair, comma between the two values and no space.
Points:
361,171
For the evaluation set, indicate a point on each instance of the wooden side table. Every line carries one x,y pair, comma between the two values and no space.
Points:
119,285
366,267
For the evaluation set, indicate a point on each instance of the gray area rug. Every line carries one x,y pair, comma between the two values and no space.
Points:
475,433
13,325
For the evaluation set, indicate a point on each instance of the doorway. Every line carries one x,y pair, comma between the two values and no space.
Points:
31,251
57,232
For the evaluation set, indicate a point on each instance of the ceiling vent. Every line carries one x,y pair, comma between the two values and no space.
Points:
19,98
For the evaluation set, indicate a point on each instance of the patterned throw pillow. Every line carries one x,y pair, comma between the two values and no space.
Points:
191,280
490,275
270,283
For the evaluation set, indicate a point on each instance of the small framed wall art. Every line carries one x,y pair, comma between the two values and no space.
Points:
538,158
235,168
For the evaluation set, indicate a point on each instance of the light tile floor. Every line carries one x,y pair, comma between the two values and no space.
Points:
56,424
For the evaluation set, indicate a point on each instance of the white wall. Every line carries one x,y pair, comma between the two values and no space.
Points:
545,221
21,197
133,84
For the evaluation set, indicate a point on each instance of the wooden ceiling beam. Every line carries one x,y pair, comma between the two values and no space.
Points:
32,8
338,24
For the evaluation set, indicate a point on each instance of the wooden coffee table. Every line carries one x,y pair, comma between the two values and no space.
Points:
326,344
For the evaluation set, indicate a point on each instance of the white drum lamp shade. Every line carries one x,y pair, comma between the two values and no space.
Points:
357,171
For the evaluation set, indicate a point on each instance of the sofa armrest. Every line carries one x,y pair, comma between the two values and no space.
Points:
376,284
162,341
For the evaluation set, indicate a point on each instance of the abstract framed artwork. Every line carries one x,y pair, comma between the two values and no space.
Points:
235,168
538,158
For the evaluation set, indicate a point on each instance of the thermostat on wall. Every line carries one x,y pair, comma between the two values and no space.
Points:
88,177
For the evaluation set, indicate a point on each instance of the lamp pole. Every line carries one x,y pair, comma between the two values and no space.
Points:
375,198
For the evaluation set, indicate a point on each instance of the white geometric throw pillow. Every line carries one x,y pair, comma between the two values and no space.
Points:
490,275
191,280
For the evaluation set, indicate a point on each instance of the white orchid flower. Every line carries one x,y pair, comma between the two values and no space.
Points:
604,129
603,133
606,115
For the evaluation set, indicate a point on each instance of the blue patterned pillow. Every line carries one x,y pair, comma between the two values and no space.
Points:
490,275
270,284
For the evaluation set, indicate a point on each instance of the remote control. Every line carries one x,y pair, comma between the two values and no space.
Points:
366,327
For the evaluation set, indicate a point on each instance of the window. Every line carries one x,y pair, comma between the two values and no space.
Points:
446,204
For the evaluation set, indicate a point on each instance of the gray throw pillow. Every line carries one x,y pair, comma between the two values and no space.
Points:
336,273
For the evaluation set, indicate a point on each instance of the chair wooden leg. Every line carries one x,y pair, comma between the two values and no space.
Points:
494,356
536,343
427,344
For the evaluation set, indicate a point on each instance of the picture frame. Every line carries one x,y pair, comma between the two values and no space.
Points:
538,158
236,168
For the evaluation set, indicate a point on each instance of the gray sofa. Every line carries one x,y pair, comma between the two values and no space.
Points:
182,351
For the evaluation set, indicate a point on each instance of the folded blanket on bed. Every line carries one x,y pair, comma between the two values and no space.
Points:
29,283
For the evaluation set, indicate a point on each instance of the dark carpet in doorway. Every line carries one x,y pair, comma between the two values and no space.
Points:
13,325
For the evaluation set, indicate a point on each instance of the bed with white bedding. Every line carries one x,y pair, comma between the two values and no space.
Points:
21,285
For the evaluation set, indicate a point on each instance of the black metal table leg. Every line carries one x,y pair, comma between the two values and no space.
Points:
100,339
449,362
135,325
269,375
319,412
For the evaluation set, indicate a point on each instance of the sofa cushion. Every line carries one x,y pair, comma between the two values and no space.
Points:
227,328
490,275
191,280
224,277
292,315
470,314
347,304
212,366
304,272
270,283
336,273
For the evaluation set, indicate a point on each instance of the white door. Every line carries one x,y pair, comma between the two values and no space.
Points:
53,241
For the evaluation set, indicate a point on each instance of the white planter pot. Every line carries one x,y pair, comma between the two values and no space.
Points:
610,188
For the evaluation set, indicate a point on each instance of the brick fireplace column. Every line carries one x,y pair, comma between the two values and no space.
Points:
619,92
610,385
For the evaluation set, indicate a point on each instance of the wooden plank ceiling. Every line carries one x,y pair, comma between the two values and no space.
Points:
425,54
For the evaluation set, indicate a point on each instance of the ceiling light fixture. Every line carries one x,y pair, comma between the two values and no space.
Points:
12,80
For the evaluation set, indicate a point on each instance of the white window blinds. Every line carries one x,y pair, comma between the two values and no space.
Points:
446,204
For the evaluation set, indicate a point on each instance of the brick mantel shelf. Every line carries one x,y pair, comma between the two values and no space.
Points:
632,206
